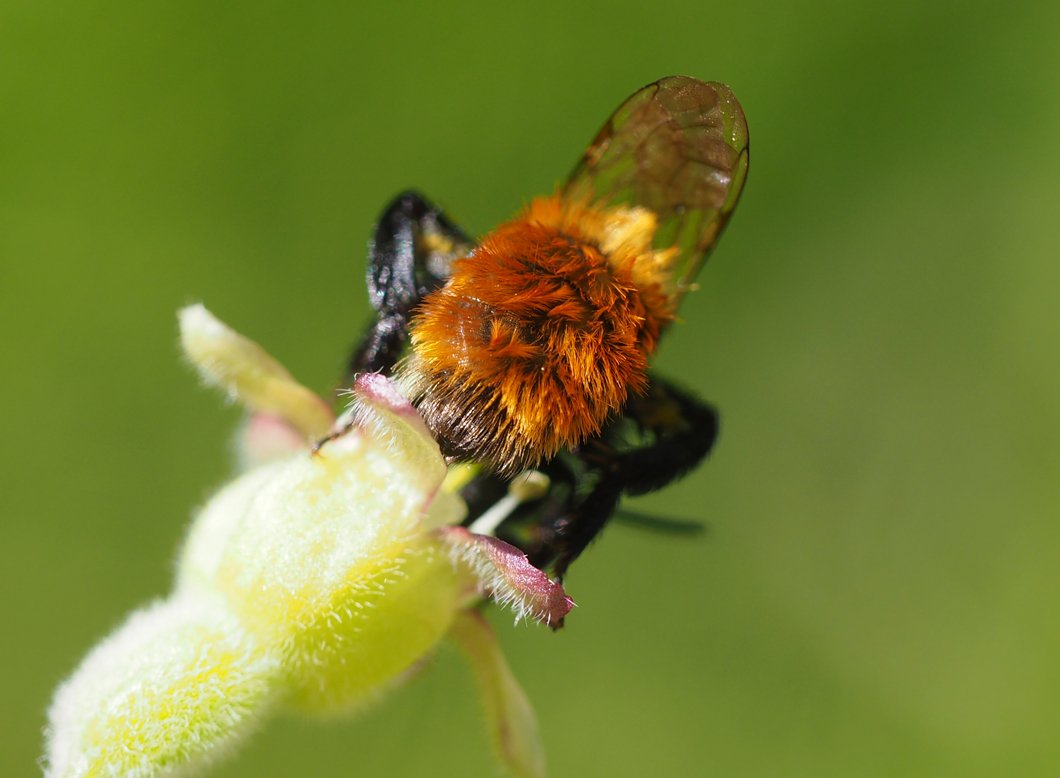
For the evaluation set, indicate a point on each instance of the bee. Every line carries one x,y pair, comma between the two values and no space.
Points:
530,348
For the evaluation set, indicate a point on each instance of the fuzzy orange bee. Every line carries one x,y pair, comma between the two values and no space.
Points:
539,336
531,347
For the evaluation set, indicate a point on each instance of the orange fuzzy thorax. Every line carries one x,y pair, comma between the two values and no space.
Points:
540,334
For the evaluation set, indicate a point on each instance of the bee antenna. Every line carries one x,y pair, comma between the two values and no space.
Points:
665,524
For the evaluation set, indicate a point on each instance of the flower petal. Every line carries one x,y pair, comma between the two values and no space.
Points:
241,367
511,718
506,573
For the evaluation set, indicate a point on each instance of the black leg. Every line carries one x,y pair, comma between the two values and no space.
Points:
410,255
676,430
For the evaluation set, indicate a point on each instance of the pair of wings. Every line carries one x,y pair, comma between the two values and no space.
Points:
678,147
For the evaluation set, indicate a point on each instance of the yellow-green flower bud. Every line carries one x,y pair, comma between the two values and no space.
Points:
325,557
178,683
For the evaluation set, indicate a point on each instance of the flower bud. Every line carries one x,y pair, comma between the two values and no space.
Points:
179,682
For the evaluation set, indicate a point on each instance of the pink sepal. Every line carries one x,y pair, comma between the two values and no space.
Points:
378,390
509,578
266,437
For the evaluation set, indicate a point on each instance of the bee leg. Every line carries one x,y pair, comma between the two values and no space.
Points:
409,256
679,430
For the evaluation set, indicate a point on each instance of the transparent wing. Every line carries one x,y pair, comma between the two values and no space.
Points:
680,148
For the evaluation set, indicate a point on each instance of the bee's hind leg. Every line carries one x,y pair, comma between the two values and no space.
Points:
679,430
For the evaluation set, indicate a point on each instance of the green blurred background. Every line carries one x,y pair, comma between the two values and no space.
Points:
879,590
